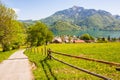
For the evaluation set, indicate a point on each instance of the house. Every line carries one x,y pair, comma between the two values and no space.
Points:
57,40
78,41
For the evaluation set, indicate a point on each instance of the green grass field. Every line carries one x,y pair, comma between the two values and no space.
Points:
53,70
5,55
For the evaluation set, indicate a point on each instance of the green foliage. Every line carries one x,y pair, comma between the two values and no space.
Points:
86,37
10,29
52,69
102,40
38,34
18,35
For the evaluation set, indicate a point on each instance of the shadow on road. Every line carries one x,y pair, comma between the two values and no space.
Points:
47,69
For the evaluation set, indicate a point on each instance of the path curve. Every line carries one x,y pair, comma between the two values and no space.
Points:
16,67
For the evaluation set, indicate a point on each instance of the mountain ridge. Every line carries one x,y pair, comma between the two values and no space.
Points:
88,20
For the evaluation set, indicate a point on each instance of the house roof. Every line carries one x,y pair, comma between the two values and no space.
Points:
79,41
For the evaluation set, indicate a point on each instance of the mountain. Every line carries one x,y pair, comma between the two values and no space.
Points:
117,17
85,18
64,27
27,21
78,20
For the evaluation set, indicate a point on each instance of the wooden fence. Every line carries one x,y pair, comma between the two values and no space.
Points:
50,56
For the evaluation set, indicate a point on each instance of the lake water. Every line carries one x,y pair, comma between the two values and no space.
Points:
98,33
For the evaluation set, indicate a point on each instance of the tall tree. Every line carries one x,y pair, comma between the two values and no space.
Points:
8,27
39,34
108,38
18,35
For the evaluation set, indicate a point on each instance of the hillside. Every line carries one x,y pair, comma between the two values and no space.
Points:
64,27
86,18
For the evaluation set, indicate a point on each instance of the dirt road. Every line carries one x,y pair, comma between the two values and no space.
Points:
17,67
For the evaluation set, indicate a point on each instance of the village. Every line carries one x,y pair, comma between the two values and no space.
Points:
67,39
83,39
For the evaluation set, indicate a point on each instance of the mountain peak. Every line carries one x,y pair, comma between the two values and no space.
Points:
77,8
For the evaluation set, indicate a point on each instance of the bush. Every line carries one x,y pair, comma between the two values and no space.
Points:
86,37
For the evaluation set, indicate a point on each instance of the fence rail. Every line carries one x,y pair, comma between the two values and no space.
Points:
84,70
84,58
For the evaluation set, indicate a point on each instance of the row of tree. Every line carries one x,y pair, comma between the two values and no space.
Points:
13,33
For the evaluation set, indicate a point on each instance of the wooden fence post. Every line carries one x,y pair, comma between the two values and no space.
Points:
42,51
45,50
49,54
118,69
38,50
30,50
34,50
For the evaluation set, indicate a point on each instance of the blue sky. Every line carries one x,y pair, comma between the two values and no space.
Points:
37,9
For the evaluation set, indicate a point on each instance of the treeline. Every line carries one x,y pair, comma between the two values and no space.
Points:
84,38
13,33
108,39
98,39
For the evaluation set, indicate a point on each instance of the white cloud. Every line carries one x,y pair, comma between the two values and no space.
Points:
16,10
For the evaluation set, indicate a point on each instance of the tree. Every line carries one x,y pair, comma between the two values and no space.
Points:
19,35
114,39
102,40
86,37
119,38
49,36
8,27
38,34
109,38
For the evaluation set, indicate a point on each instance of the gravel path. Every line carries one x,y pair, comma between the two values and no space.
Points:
17,67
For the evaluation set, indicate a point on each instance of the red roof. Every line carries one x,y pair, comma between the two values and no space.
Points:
79,41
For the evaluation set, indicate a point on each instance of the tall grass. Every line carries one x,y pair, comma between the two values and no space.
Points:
52,70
